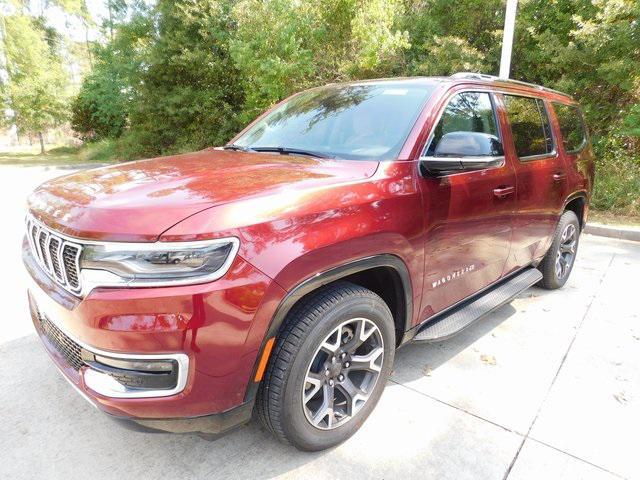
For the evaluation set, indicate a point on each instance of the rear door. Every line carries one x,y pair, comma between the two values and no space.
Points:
468,214
541,176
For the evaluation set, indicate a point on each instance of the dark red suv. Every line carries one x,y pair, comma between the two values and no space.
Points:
278,274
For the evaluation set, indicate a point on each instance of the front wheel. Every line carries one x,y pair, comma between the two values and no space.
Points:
557,264
329,367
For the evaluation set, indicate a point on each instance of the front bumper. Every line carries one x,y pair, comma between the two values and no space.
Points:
213,331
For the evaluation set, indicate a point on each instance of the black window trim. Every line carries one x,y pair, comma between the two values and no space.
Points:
492,99
585,133
553,154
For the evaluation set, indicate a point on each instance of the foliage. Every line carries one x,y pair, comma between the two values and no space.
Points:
377,45
188,91
102,107
170,76
36,93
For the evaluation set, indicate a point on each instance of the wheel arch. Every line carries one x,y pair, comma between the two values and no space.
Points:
370,272
577,203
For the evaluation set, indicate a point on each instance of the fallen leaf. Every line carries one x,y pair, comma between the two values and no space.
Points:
427,371
621,397
488,359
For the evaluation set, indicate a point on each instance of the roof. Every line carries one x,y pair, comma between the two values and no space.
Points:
478,78
493,80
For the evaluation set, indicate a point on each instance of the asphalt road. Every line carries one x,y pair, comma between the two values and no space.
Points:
547,387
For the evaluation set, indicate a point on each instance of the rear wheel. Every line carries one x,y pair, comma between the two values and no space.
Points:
329,367
557,264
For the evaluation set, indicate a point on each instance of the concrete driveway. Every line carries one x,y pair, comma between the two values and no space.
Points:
547,387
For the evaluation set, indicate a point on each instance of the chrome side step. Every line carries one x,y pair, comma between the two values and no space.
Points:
461,317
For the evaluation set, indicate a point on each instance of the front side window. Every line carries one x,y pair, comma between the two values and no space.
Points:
466,112
572,127
530,126
369,121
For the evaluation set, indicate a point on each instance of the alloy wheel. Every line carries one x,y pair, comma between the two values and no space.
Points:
566,251
342,373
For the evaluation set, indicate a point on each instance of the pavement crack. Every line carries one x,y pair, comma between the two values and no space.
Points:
555,377
456,407
577,458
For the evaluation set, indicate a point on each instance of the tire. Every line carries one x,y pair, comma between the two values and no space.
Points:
330,314
563,249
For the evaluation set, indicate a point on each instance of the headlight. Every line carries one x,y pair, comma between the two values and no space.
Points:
160,263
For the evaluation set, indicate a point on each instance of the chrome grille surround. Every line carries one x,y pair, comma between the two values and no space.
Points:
56,256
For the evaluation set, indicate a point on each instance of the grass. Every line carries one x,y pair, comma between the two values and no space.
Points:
613,218
99,152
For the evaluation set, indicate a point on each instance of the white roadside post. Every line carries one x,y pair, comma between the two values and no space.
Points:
507,38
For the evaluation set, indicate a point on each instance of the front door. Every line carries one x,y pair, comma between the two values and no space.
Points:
468,214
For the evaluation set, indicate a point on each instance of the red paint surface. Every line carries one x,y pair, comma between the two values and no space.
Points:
295,216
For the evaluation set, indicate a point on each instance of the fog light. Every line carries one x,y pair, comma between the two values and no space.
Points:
141,365
135,377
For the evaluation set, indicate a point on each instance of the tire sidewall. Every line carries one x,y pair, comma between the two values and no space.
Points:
295,424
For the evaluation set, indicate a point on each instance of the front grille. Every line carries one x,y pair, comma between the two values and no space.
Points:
70,350
54,255
58,257
70,258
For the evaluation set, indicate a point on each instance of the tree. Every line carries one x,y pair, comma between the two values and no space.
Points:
102,107
189,91
35,94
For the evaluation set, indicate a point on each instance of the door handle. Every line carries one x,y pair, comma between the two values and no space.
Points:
559,176
503,192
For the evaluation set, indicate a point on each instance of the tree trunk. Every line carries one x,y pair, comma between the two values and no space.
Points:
41,137
110,19
88,44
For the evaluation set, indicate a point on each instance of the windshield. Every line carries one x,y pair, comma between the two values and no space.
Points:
365,121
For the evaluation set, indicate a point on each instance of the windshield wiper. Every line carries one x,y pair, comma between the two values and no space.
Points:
239,148
291,151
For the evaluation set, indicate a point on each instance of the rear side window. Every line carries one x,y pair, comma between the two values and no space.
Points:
572,127
466,112
530,126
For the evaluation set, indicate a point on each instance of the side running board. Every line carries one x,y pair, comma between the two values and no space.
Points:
455,320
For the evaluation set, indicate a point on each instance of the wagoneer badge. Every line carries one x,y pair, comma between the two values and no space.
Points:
455,274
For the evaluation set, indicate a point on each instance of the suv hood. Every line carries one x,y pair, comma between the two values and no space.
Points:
138,201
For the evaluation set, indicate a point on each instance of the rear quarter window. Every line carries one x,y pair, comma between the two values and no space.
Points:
530,126
572,127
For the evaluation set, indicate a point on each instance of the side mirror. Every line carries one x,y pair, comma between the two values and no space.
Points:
461,151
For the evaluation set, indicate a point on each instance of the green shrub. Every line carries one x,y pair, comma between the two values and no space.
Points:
617,184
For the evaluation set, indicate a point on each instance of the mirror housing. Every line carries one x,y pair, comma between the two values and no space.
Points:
462,151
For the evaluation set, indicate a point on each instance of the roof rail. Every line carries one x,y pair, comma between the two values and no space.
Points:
493,78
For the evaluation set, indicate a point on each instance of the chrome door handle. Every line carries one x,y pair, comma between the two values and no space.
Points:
559,176
503,191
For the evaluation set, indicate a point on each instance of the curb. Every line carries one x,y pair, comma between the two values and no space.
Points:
613,231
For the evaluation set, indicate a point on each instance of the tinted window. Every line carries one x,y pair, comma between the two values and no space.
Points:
530,125
466,112
365,121
571,126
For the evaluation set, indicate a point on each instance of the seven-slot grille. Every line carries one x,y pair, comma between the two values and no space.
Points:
59,258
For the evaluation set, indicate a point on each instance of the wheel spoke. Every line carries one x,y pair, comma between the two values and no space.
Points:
361,335
316,381
326,409
354,395
332,346
568,247
563,265
368,361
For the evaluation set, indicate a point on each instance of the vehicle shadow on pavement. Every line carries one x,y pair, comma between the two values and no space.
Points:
417,359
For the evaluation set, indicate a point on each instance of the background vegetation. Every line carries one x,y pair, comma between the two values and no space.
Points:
169,76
